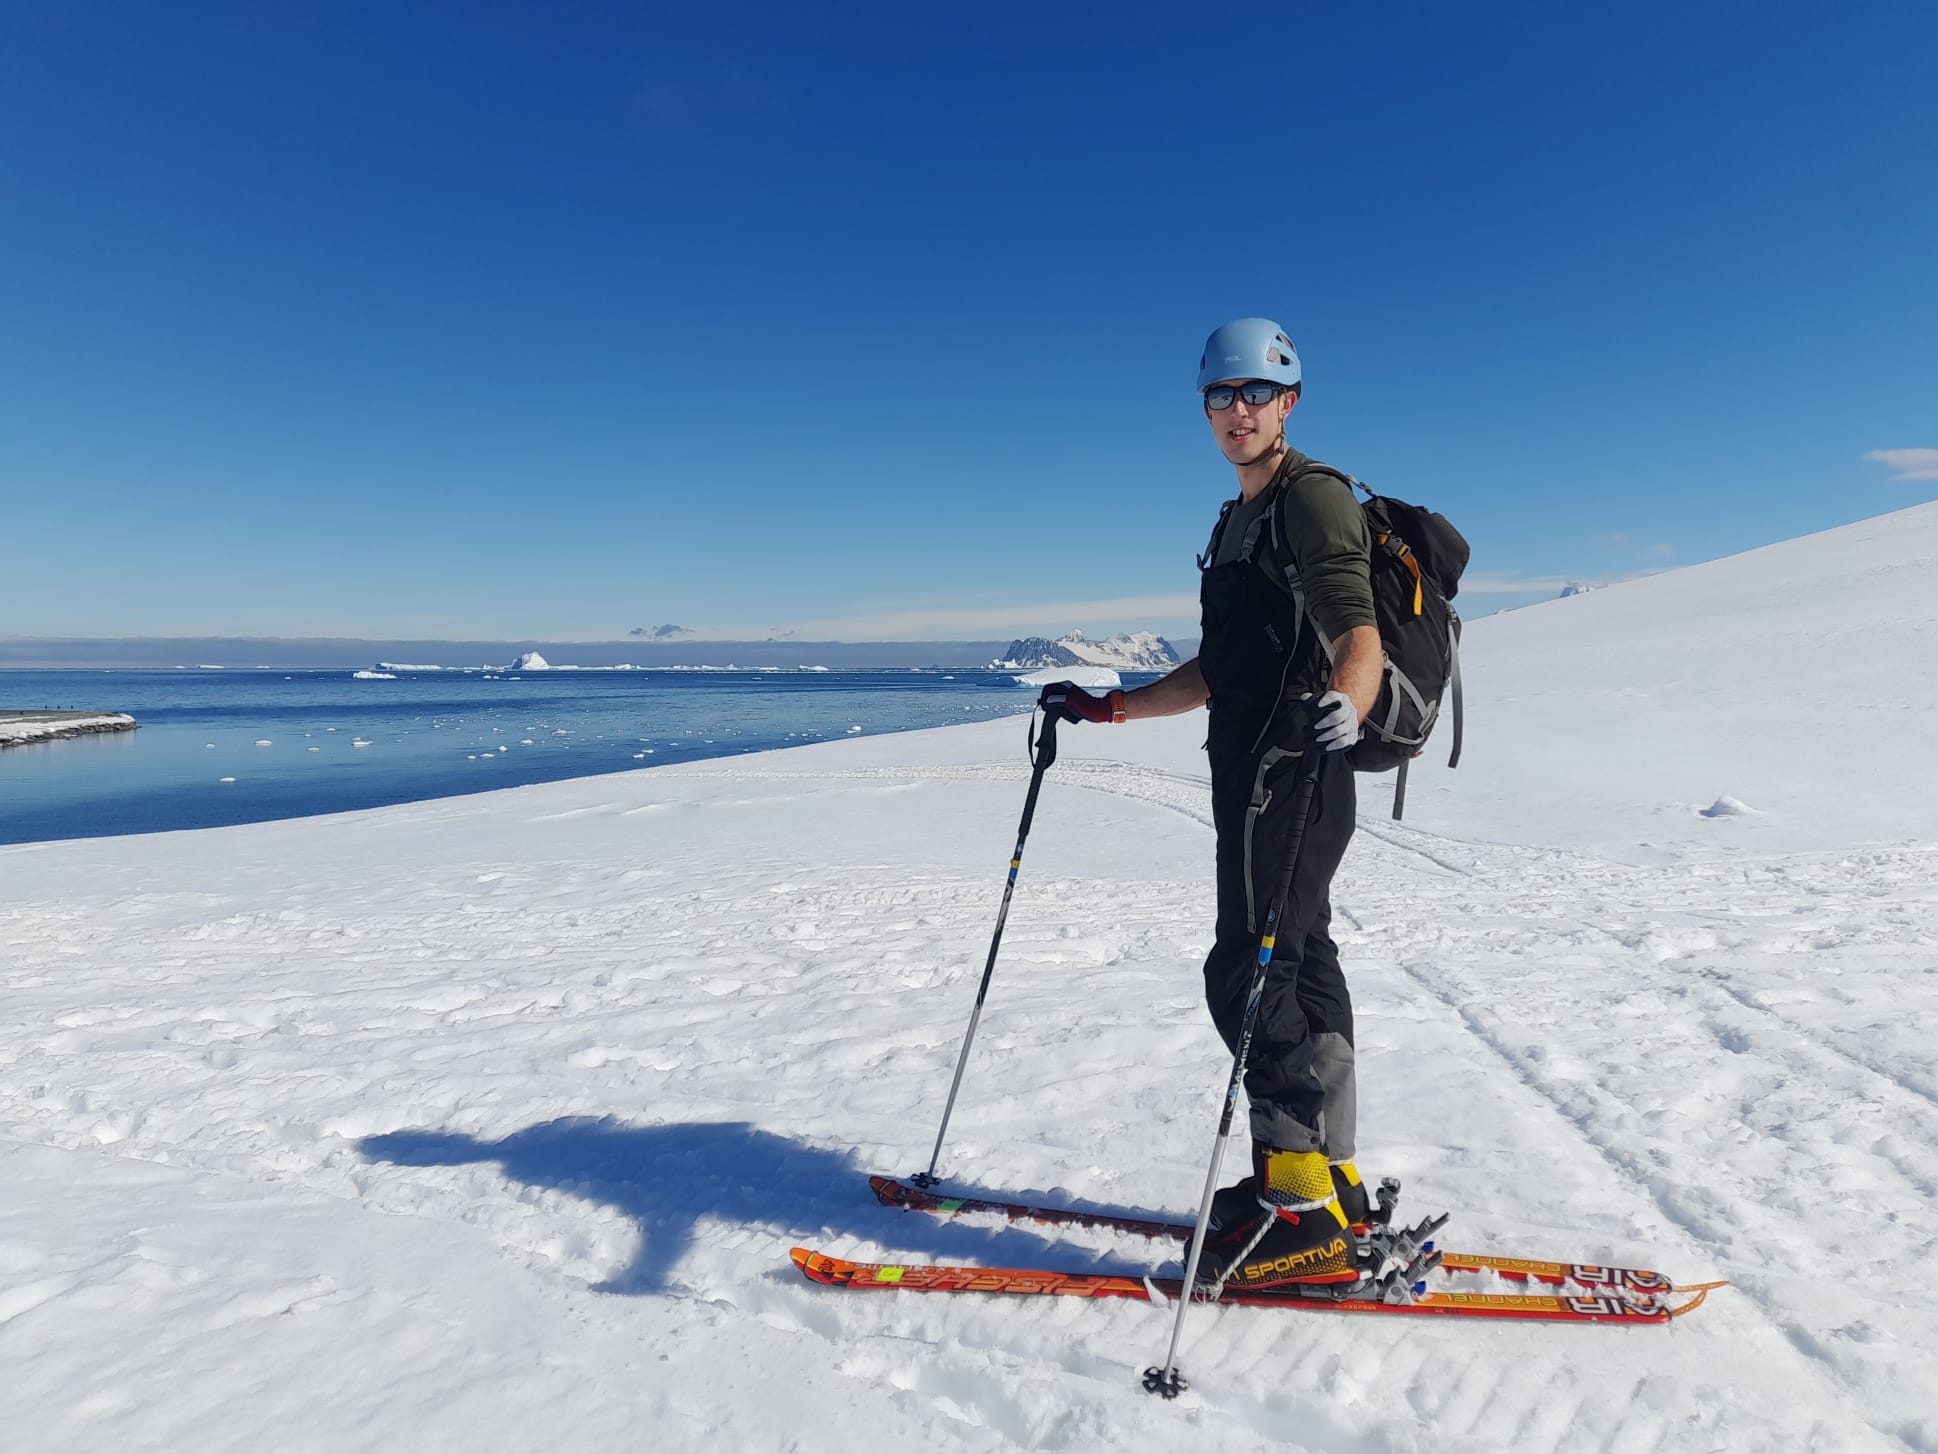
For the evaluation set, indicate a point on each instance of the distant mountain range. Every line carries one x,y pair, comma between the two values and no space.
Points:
1126,651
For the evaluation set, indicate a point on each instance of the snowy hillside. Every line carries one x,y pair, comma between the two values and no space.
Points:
487,1123
1134,651
1800,680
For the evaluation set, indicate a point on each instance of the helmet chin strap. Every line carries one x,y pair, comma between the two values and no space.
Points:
1278,446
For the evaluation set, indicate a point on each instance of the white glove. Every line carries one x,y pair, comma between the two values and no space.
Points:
1335,721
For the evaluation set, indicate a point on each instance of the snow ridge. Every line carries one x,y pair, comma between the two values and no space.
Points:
1134,651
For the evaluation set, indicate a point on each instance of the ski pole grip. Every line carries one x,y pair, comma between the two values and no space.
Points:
1043,753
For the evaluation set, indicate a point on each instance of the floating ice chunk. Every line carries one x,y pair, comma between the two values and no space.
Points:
263,742
225,779
855,728
360,742
1076,676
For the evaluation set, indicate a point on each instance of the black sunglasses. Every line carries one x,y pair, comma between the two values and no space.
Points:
1256,392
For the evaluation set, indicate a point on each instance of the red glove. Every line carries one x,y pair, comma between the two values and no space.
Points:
1074,704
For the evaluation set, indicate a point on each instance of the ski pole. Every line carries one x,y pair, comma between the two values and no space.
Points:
1042,754
1167,1380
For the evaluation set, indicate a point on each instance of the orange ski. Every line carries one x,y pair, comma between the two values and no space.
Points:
1590,1277
1615,1306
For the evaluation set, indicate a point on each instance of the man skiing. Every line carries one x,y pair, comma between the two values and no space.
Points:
1290,663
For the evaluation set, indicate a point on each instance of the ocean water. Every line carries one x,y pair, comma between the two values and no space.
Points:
301,742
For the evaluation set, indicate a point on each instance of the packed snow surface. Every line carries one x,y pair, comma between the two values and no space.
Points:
488,1123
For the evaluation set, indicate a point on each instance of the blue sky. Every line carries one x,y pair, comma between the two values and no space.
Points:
549,322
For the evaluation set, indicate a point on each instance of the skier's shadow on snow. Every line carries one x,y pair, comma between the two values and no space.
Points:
667,1178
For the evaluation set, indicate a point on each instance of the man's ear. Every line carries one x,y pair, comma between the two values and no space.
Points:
1291,397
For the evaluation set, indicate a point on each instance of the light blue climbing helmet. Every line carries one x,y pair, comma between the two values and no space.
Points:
1249,348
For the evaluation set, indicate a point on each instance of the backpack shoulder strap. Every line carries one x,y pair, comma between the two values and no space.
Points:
1288,566
1217,534
1283,568
1314,467
1248,547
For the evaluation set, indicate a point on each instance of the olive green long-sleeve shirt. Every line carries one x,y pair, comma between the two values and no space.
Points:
1325,530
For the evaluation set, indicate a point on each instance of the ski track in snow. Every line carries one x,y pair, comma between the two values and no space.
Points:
541,1112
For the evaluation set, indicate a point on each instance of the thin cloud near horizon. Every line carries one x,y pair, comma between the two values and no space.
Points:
1910,464
967,622
1177,613
1171,615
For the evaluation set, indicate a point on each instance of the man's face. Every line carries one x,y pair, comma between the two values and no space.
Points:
1248,432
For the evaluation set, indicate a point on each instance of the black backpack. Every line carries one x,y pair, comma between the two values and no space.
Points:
1417,559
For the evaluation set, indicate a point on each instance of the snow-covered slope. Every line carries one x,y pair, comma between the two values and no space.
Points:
1800,679
487,1123
1132,651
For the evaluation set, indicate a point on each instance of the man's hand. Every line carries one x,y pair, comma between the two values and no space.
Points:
1335,721
1074,704
1327,722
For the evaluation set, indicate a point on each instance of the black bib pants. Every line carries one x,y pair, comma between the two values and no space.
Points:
1299,1077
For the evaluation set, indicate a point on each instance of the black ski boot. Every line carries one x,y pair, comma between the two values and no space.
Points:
1298,1235
1234,1206
1351,1192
